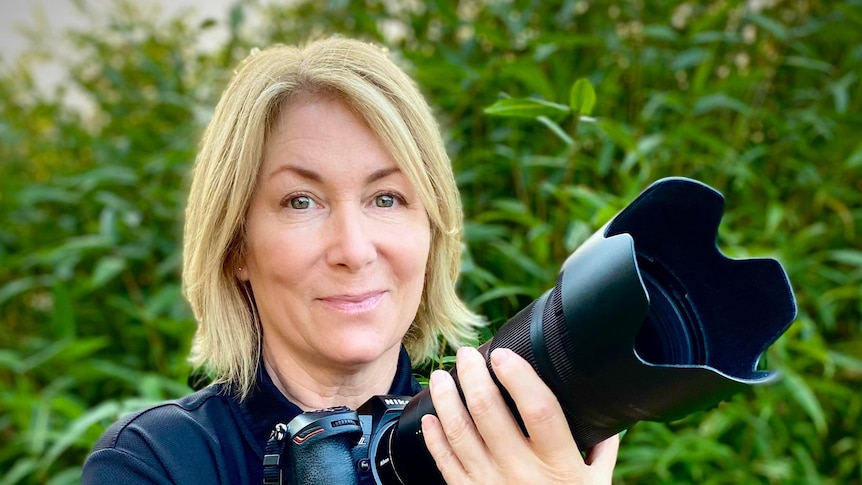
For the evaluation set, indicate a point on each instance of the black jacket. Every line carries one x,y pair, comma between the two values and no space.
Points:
208,437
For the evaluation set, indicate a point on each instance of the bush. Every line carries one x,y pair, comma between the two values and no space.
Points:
758,99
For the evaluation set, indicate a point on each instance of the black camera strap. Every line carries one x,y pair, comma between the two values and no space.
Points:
272,472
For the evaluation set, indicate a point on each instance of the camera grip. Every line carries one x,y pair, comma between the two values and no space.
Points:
321,447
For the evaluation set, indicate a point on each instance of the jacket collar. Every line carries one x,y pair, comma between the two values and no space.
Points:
266,406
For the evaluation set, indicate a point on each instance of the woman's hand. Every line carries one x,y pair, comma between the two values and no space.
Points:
490,448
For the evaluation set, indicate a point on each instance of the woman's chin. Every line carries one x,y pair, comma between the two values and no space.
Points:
356,353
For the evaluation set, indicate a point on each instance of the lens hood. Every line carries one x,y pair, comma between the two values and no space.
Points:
658,322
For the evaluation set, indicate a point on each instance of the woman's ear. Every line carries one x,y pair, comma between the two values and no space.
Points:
240,269
237,259
242,272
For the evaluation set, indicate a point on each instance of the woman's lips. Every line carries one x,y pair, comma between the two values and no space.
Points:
353,304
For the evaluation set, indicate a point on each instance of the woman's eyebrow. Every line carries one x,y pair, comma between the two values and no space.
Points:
316,177
381,174
301,171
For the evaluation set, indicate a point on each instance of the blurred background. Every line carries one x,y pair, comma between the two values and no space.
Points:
101,108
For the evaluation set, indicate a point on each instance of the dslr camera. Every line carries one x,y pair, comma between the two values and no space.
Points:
648,320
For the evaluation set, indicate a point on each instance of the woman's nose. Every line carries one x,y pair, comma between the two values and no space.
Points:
351,242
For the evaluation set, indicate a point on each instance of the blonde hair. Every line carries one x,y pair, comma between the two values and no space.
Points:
228,338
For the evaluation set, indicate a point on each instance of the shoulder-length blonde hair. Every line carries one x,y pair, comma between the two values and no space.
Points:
228,339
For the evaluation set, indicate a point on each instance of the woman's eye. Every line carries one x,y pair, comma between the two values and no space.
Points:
385,200
300,202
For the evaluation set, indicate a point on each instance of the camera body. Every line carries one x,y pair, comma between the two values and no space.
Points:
339,445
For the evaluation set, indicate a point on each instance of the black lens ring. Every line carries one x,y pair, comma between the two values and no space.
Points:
538,344
672,318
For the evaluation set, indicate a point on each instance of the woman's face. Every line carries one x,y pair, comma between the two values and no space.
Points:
337,240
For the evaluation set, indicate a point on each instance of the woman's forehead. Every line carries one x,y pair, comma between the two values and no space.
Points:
321,138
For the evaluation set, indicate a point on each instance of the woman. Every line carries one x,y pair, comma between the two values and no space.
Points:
322,246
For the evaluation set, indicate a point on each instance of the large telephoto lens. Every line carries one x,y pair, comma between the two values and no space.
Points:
647,321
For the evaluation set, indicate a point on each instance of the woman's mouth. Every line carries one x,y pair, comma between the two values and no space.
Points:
354,304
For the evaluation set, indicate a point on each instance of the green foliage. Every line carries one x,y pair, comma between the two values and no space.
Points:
556,114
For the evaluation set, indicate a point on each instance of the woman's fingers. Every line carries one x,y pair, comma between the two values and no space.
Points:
482,442
438,445
460,434
489,411
603,456
470,444
540,410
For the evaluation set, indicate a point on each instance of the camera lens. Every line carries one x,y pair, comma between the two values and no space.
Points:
670,334
647,321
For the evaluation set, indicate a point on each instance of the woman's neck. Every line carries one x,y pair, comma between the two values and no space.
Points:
312,386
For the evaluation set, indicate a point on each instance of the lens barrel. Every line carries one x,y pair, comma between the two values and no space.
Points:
647,321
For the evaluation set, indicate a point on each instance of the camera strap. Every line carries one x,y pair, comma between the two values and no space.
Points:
272,472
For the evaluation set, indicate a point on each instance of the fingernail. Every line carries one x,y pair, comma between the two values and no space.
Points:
427,422
462,355
500,355
438,379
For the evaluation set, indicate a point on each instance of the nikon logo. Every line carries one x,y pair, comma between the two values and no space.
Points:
393,401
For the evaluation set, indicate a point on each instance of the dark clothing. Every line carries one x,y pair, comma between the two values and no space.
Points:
208,437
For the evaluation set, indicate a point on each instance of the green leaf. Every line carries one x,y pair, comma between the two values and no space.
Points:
852,161
10,360
660,32
555,129
689,58
618,133
523,262
804,395
38,194
70,476
772,26
851,257
63,313
526,108
107,269
809,63
22,468
718,101
846,361
643,148
106,411
105,175
23,285
530,75
841,92
63,351
582,97
37,434
502,292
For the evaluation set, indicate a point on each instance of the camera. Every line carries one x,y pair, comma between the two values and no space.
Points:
648,320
